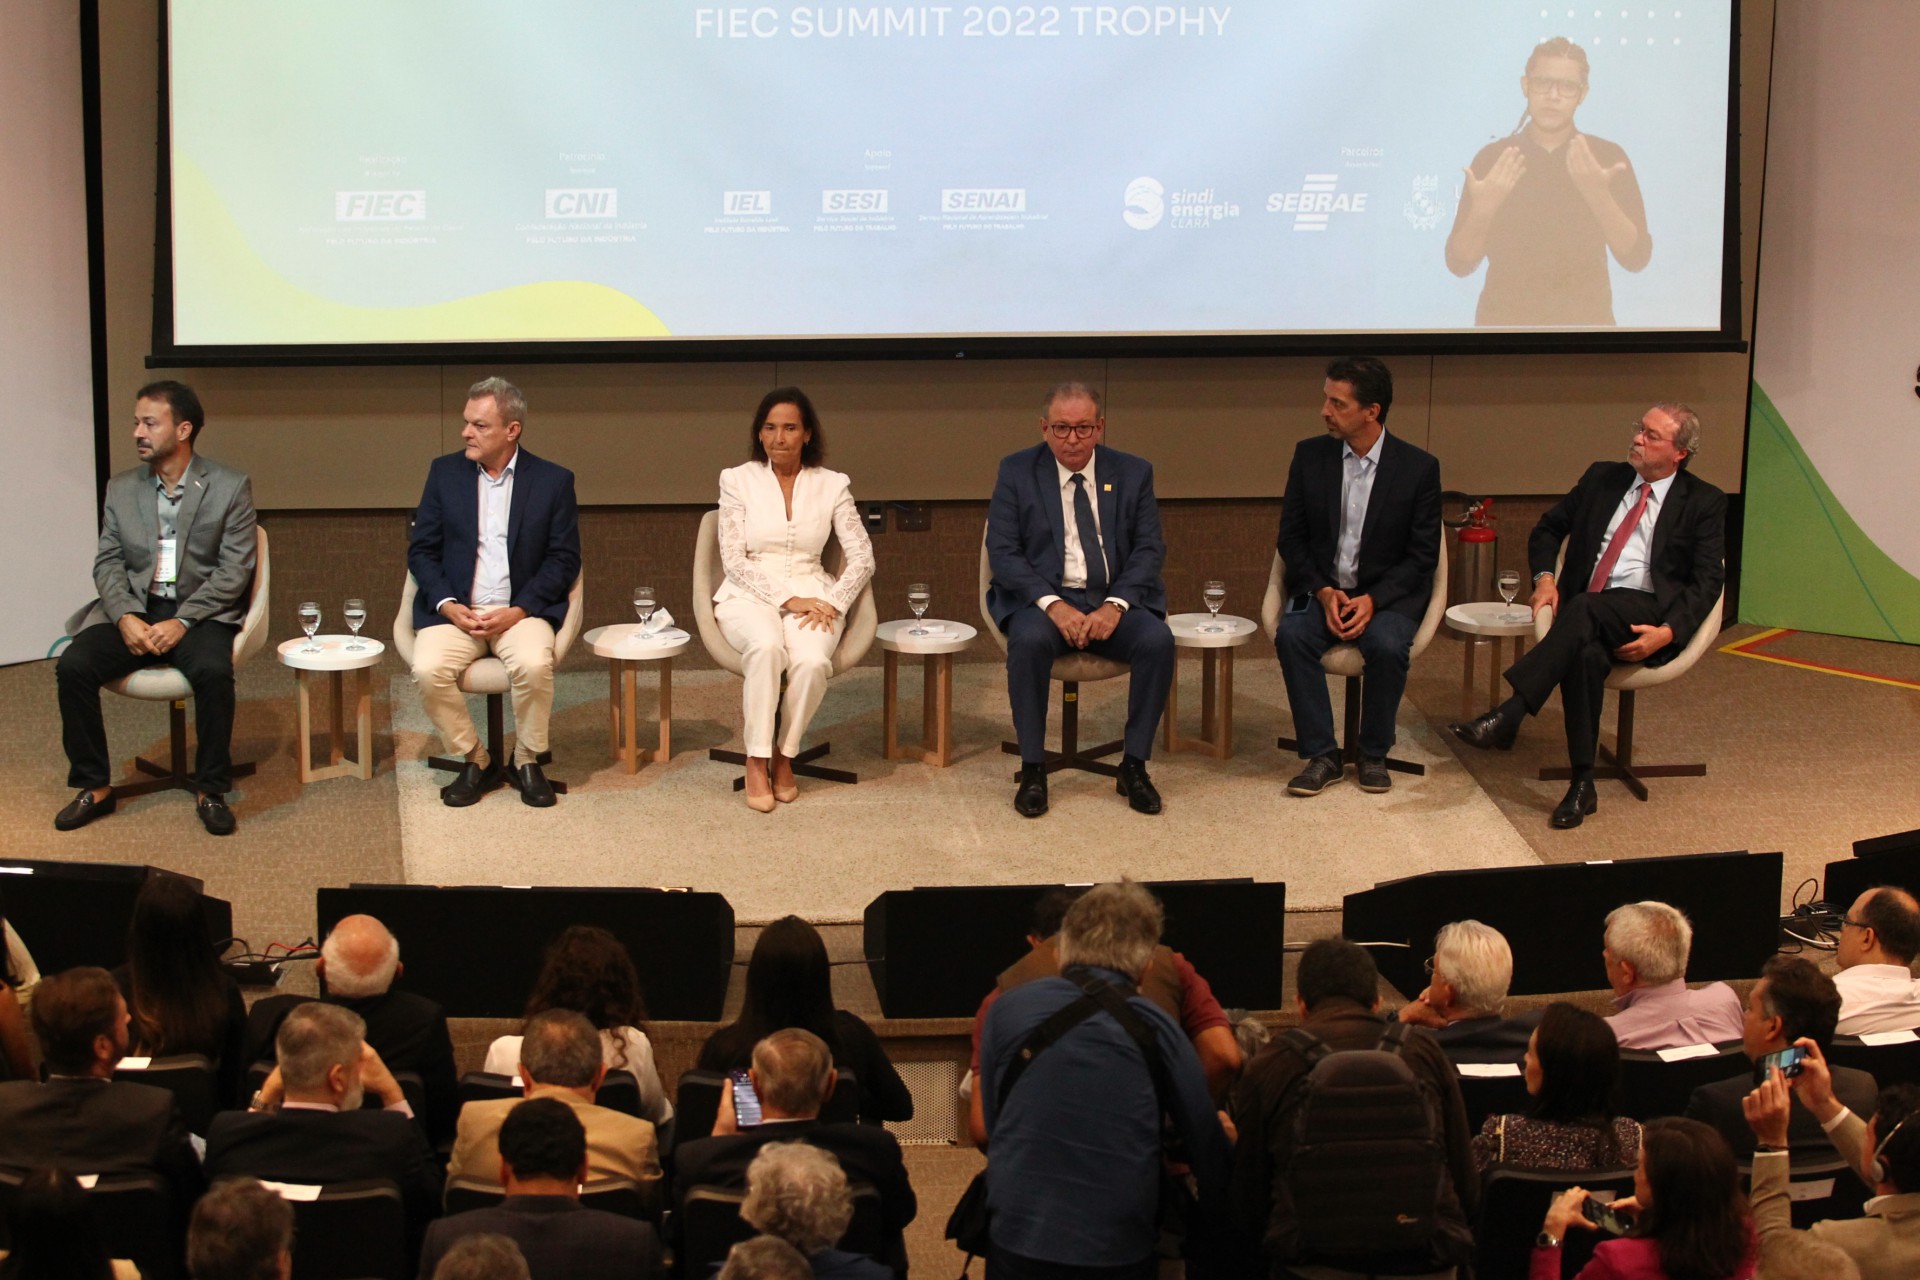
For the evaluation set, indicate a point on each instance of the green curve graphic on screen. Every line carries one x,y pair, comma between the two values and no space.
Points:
1805,563
225,294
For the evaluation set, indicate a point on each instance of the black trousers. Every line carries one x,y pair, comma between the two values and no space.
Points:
99,654
1576,656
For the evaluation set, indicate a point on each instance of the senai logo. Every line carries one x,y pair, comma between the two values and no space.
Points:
1145,204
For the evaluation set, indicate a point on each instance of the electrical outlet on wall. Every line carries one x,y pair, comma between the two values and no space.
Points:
874,515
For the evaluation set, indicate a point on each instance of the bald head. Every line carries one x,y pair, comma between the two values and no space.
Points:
1882,927
359,958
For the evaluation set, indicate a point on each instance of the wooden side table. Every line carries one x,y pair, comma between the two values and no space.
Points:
1484,620
625,649
936,710
335,660
1216,680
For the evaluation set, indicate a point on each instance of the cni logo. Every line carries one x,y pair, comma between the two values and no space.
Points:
379,206
1145,206
739,202
583,202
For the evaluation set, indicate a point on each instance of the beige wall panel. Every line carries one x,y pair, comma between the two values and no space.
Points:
630,433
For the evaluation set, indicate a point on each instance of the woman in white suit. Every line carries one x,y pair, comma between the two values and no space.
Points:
778,605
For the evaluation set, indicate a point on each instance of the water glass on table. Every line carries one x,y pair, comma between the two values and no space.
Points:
1214,595
1507,583
309,623
918,598
644,603
356,616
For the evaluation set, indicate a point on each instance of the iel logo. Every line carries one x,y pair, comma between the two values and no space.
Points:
1146,204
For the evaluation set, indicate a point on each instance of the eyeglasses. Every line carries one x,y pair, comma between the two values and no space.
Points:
1429,966
1858,924
1653,437
1071,430
1555,87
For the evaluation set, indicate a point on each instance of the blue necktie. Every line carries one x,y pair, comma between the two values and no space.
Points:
1090,548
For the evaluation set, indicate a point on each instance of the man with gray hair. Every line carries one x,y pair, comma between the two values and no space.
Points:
1645,952
799,1194
1074,1102
307,1123
494,553
560,1057
1468,976
766,1258
358,965
1645,561
240,1231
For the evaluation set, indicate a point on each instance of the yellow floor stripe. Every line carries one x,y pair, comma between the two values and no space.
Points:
1743,649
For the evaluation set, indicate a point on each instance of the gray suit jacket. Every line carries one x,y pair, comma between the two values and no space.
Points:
1885,1244
217,543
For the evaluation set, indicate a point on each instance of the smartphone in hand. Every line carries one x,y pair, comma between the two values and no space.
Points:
746,1102
1606,1217
1788,1060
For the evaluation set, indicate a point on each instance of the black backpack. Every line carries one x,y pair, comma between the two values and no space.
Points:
1367,1170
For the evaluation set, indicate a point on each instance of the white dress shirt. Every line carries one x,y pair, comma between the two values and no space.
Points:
1634,568
492,582
1357,472
1877,997
1074,572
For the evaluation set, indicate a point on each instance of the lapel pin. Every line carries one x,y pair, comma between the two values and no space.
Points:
1106,488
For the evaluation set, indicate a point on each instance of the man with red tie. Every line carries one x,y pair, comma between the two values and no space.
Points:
1646,544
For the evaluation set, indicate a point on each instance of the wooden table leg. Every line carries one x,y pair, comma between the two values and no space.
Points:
890,706
305,701
613,707
1223,746
629,730
363,723
666,710
940,698
337,716
1493,674
1209,697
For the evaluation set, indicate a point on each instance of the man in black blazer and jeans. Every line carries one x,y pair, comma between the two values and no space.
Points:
1360,535
1646,558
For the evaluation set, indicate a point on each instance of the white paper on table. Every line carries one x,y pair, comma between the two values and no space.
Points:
1812,1189
133,1064
659,622
86,1180
1685,1051
931,628
1488,1070
301,1191
1888,1037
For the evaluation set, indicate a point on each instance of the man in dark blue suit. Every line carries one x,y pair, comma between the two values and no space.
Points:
1073,537
1360,535
495,550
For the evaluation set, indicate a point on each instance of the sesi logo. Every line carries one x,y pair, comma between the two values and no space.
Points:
853,202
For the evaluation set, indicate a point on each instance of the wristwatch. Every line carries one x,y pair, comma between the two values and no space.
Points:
1545,1241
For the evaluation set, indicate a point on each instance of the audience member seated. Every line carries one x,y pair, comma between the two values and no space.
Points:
589,971
82,1119
241,1231
1795,1255
1646,957
1338,997
181,1000
358,965
1171,982
789,984
543,1161
798,1193
486,1256
1877,945
307,1124
1691,1221
1467,981
1885,1243
16,1057
1792,1001
560,1057
1076,1105
765,1258
1573,1075
52,1236
792,1073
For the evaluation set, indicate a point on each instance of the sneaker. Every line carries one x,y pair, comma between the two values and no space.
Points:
1321,772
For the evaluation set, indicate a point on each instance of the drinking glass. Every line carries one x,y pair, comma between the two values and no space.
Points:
918,598
309,623
1214,593
644,604
1507,582
356,615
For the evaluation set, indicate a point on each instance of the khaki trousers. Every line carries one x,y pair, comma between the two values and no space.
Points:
442,652
771,642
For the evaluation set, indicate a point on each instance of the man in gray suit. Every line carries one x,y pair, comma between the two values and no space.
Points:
173,570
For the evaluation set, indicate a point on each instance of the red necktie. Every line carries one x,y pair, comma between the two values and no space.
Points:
1604,570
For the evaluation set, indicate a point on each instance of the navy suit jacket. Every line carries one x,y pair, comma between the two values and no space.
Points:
1399,541
1026,532
543,537
1688,560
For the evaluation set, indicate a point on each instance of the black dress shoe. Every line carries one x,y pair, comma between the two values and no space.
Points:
1373,775
215,816
1030,799
469,785
532,785
1321,772
81,810
1490,730
1137,787
1579,801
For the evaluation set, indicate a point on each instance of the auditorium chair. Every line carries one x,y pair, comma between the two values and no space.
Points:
352,1231
1493,1096
191,1078
1072,670
133,1213
1821,1189
1651,1086
1513,1203
856,637
619,1091
696,1102
710,1224
166,684
1344,659
1627,679
488,675
1889,1063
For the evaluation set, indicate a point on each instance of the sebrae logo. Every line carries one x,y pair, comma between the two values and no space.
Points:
1317,200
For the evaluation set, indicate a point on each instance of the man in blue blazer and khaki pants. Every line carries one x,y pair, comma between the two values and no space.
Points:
1073,539
495,551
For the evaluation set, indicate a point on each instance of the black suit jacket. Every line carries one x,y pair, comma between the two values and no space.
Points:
1399,541
1718,1104
1688,564
560,1239
325,1147
408,1031
867,1154
1488,1039
99,1126
543,537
